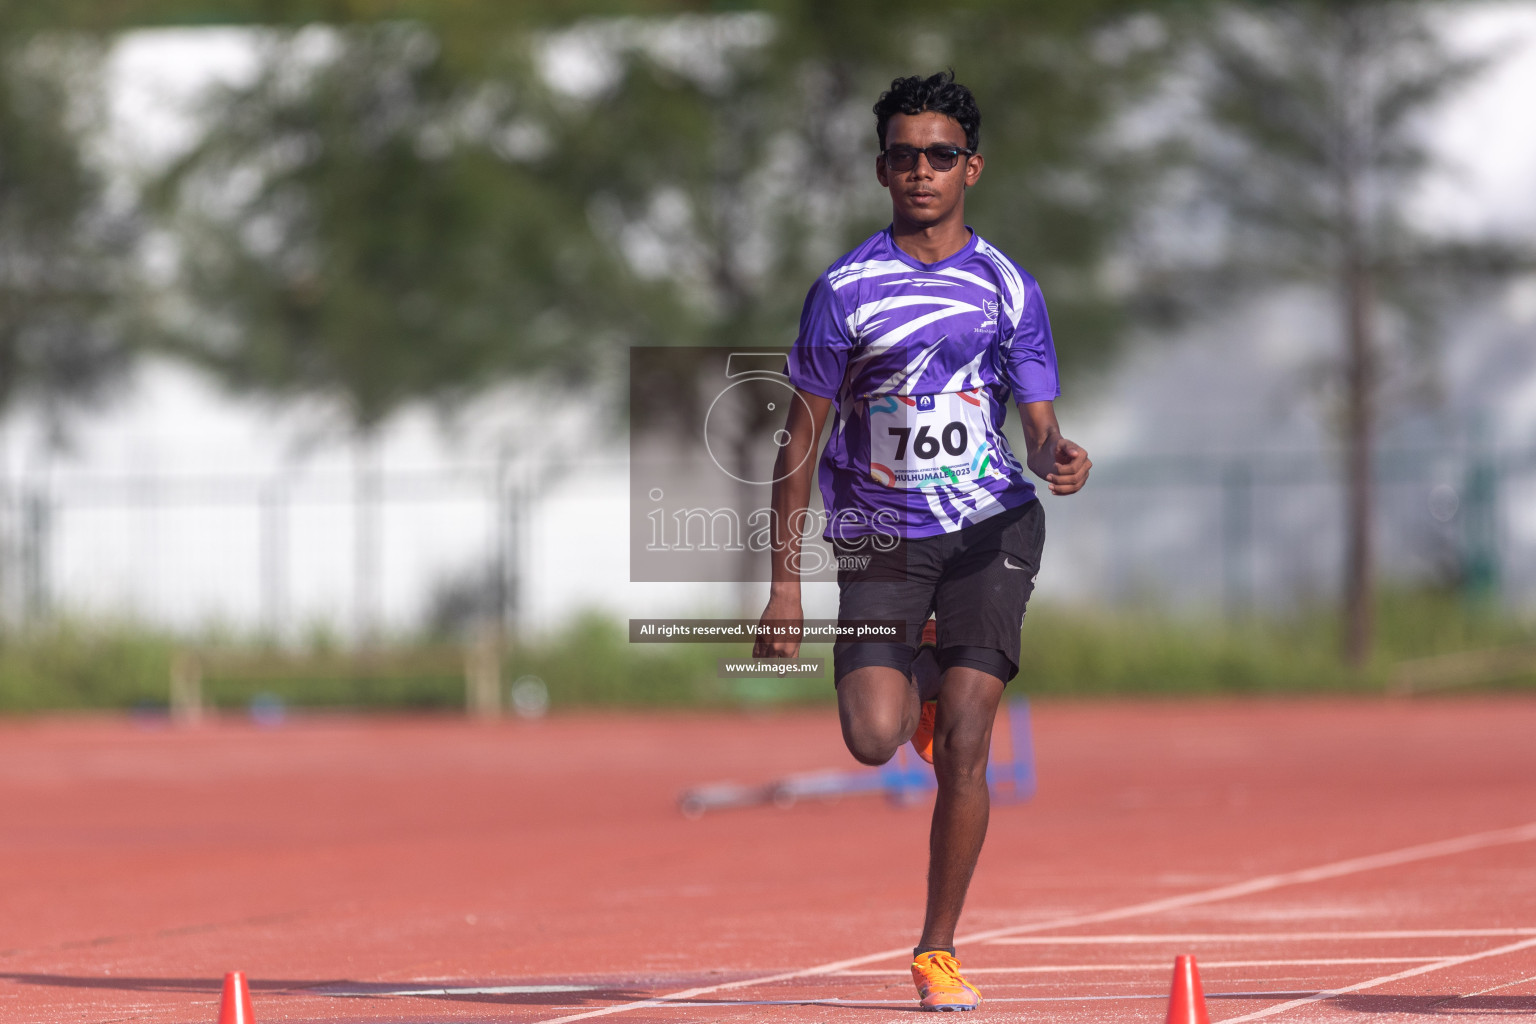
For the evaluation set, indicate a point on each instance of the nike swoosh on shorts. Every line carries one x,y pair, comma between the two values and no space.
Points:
1010,565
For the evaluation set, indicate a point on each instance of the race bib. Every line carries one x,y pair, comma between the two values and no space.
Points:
918,441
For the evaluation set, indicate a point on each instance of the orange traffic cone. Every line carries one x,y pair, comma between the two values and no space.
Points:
1186,1003
236,1005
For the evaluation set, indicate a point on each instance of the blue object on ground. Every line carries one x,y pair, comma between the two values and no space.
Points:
904,779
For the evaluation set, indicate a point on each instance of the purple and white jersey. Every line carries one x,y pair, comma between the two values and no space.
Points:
922,360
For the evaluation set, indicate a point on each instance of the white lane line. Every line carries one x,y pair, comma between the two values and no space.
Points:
1483,992
1439,965
1162,965
1112,940
839,1001
1264,883
482,990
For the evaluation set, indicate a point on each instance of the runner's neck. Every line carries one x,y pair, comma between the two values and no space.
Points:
931,245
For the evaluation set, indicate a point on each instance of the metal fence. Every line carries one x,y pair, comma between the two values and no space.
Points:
1249,532
355,554
394,550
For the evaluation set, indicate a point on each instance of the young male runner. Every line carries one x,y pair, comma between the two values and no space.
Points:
918,339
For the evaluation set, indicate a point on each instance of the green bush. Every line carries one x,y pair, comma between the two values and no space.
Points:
77,666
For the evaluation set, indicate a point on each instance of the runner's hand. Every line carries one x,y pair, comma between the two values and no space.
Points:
1071,468
780,612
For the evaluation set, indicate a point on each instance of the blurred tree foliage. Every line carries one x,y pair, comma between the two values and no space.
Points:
62,241
407,210
361,222
1309,145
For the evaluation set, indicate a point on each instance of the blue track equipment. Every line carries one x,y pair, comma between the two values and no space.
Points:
904,779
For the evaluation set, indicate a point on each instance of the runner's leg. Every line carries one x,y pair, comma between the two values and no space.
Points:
961,742
980,604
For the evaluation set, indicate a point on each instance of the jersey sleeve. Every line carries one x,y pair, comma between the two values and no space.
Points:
1030,357
819,358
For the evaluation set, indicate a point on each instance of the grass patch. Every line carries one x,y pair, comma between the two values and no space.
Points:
76,666
1076,653
591,663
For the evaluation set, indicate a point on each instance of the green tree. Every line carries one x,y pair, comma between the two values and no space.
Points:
1316,145
362,223
62,244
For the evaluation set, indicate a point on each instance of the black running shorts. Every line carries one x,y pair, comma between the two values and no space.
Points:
977,581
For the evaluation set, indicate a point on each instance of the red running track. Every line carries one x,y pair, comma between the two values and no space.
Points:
1324,860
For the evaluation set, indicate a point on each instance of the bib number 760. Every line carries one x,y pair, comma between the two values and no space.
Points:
925,445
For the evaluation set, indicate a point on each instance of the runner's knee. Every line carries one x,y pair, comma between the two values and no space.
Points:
873,737
963,740
959,764
877,706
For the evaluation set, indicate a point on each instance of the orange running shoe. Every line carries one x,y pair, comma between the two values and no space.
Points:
925,670
939,985
922,736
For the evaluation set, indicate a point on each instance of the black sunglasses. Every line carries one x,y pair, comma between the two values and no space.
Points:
941,158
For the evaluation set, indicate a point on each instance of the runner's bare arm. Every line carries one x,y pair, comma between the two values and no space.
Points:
1052,457
791,502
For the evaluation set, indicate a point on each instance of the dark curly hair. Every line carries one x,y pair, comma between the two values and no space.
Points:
939,93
